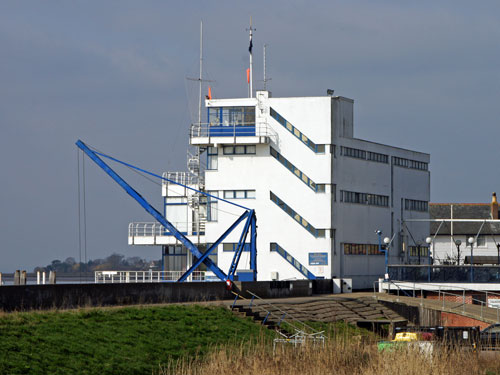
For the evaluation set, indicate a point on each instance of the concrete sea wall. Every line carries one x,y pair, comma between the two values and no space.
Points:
64,296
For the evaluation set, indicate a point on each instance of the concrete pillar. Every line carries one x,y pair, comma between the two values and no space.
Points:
17,277
37,277
1,283
52,277
23,278
43,277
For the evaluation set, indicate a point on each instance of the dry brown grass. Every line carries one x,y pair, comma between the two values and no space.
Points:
340,357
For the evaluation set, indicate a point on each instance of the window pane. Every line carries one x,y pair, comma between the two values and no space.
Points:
228,247
228,194
228,150
250,193
240,194
239,150
251,149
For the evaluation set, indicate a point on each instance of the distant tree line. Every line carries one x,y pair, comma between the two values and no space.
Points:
114,262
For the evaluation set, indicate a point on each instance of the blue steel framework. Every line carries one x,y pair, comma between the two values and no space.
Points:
249,214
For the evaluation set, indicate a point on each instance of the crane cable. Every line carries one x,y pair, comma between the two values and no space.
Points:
82,201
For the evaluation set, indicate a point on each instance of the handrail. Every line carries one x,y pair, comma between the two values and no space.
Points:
282,311
444,293
150,229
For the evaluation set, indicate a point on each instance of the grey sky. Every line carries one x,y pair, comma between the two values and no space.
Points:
424,75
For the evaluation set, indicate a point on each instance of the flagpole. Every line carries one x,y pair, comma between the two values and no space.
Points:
251,62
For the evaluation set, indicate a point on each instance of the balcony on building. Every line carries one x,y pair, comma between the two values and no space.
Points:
230,125
156,234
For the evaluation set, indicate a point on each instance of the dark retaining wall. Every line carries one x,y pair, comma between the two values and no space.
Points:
29,297
415,314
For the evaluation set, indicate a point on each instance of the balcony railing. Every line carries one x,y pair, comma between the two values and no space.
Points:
156,229
231,130
185,178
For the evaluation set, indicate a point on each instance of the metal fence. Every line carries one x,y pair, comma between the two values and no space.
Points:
445,273
110,277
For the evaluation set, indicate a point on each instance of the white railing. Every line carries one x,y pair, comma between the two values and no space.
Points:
156,229
231,130
185,178
107,277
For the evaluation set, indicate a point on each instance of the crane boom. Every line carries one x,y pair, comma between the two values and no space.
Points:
151,210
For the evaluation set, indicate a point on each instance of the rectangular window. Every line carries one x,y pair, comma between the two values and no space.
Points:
233,246
212,206
212,158
231,116
412,164
250,150
374,250
413,251
239,194
354,249
353,152
416,205
481,241
362,249
239,150
364,198
379,158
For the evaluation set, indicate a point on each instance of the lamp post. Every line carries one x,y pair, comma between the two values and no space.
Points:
471,242
428,240
379,234
387,242
458,243
498,253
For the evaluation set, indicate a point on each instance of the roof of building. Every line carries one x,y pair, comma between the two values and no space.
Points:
462,211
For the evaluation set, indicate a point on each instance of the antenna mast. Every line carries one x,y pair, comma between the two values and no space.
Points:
201,70
265,77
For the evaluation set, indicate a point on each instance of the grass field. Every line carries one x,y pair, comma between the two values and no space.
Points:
133,340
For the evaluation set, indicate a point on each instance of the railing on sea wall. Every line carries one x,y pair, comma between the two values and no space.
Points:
110,277
445,273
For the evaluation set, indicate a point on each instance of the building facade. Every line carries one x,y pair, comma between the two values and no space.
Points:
452,231
319,194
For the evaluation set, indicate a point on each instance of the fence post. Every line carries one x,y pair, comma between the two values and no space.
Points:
463,301
52,277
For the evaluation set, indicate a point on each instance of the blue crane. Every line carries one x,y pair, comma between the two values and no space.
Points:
249,218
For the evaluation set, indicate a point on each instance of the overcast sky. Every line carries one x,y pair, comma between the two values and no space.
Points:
424,75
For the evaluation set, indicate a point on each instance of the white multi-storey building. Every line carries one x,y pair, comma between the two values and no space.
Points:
319,193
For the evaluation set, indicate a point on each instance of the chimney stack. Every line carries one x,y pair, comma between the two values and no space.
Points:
494,206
